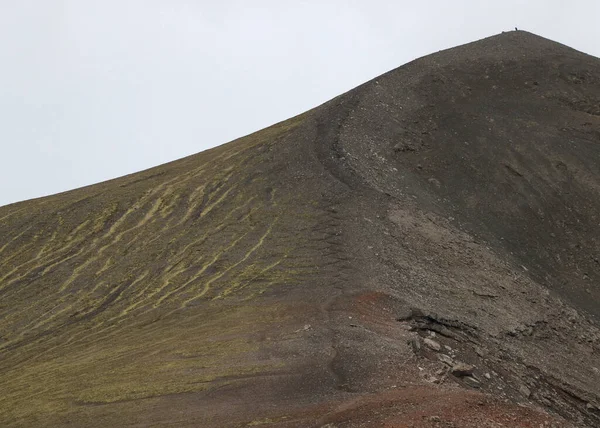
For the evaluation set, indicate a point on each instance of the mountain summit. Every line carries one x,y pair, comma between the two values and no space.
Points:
421,251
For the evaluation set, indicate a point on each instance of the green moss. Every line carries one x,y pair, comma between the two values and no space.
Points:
96,330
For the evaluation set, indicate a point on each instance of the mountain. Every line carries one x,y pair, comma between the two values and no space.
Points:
420,251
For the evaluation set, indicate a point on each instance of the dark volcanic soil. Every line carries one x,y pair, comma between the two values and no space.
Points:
421,251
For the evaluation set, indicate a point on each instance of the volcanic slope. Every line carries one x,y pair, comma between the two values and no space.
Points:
420,251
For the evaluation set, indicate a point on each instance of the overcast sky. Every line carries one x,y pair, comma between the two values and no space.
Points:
95,89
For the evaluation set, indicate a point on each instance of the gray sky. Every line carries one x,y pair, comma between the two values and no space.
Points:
92,90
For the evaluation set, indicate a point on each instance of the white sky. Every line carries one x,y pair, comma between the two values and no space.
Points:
95,89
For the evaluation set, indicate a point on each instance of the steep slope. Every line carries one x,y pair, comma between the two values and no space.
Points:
331,270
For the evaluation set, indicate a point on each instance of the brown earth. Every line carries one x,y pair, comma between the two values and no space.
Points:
421,251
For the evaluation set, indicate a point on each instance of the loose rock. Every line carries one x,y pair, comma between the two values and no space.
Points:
415,344
446,359
432,344
472,382
462,369
525,391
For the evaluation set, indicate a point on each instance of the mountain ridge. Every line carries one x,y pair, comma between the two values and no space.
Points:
332,269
